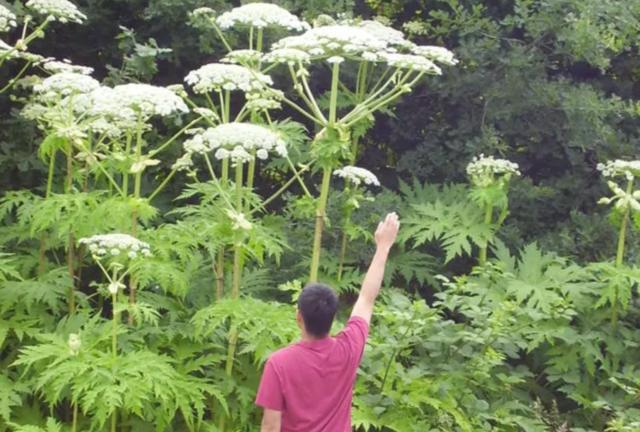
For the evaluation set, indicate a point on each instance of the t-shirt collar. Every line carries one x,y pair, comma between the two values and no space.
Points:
316,343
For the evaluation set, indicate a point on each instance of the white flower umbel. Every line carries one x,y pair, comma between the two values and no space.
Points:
411,62
129,103
239,220
238,142
622,198
336,40
203,12
261,15
74,343
484,170
217,76
114,287
116,245
55,66
243,57
620,168
184,163
58,10
357,176
393,37
65,84
290,56
7,19
436,53
267,100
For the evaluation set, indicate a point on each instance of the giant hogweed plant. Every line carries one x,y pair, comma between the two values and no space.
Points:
619,279
458,217
104,383
371,66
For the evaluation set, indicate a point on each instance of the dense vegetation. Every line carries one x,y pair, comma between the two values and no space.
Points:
510,304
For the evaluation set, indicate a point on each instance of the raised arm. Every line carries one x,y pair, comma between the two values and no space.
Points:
385,236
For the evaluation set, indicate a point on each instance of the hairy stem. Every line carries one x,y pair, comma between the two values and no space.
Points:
320,215
221,252
488,217
74,423
335,80
43,238
137,186
620,252
237,248
71,296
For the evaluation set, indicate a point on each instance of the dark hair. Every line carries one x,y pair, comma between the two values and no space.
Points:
317,305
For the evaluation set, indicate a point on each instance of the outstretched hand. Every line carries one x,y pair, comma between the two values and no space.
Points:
387,231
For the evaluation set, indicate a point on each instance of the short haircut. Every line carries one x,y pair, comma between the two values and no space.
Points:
318,305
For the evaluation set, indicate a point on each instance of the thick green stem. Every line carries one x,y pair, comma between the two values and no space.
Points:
71,296
620,252
74,422
43,239
125,175
320,216
335,80
623,230
227,106
237,248
488,217
114,327
343,254
221,252
137,186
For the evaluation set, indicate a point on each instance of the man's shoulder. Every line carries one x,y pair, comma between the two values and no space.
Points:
283,354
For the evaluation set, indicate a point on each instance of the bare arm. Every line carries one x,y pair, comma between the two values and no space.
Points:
385,236
271,421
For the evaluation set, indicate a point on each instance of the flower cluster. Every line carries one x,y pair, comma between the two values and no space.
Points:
116,245
290,56
391,36
216,76
269,99
357,176
483,170
336,40
237,141
57,10
239,221
620,168
126,104
411,62
183,163
621,198
367,40
436,53
243,57
74,343
55,66
7,19
64,84
261,15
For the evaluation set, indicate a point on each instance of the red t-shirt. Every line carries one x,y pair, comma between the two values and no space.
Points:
312,382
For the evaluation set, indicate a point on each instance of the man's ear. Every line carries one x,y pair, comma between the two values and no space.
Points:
299,319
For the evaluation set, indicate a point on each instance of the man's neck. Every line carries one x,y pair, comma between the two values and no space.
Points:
306,337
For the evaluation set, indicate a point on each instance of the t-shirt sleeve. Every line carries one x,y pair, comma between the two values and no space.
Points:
354,336
270,391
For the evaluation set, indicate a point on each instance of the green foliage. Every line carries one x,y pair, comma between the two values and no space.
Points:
526,342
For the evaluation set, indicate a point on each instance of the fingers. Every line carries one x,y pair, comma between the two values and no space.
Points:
392,218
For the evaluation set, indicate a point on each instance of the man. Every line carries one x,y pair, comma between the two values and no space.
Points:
308,386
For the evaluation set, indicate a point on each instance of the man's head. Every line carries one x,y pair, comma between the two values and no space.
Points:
317,306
